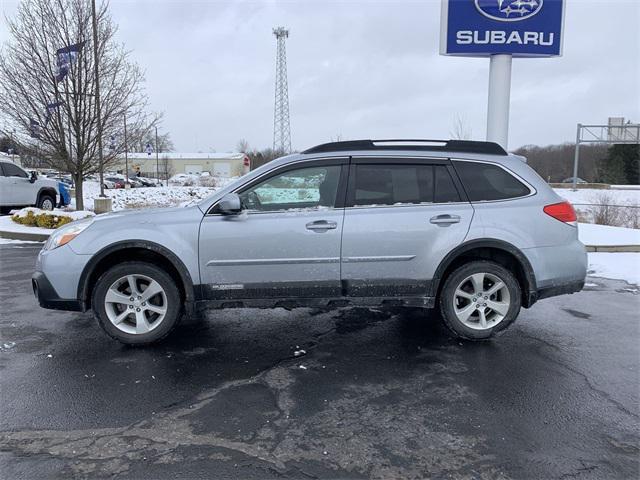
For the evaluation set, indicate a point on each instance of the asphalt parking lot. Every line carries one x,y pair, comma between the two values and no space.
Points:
375,394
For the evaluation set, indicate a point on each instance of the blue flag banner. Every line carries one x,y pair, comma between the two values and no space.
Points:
51,107
149,149
66,56
34,128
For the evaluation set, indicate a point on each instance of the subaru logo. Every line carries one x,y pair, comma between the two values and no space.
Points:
509,10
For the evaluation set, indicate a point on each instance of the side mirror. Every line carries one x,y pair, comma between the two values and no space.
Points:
230,204
33,177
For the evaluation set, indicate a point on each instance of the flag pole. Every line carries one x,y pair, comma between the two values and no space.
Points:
97,80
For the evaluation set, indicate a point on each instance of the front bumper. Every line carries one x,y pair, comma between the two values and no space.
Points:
48,298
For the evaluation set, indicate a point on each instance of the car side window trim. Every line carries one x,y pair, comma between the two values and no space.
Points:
328,162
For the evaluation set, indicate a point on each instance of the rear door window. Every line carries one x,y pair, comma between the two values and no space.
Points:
381,184
485,182
397,184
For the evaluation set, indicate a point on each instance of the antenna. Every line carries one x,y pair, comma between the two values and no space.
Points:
281,127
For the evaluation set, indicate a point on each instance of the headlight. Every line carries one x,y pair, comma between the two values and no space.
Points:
64,235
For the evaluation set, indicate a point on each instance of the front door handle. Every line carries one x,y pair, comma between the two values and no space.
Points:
321,225
445,220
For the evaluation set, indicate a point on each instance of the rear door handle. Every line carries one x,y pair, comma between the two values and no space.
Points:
445,220
321,225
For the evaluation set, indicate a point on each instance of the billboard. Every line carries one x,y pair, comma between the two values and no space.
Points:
521,28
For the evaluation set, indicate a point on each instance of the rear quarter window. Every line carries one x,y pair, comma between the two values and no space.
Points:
485,182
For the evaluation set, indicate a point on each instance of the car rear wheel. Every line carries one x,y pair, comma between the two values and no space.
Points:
479,299
46,202
137,303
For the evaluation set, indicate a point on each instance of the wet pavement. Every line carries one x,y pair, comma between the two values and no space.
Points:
369,394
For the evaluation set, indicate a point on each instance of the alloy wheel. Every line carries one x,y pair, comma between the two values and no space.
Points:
136,304
481,301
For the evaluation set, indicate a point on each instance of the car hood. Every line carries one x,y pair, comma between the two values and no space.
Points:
47,182
144,215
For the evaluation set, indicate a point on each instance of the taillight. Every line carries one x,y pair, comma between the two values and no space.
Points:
561,211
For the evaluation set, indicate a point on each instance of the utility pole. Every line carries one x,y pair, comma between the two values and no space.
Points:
97,80
281,126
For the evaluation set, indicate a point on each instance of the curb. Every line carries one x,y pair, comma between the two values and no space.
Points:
26,236
613,248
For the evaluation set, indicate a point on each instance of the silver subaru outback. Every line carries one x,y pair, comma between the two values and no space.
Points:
460,226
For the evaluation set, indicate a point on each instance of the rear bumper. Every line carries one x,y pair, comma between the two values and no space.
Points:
561,289
48,298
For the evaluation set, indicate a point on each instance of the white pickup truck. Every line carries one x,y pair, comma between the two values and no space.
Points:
19,188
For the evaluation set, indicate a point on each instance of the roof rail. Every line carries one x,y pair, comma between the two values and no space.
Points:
466,146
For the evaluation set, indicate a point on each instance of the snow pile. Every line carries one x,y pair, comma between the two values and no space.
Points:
202,180
591,234
618,266
584,196
72,214
145,197
47,219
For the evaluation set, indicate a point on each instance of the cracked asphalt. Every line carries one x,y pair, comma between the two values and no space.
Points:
375,394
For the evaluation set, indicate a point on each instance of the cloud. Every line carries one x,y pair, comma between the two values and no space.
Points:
366,69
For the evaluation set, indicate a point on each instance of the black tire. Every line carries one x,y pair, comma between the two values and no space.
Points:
174,302
44,200
447,299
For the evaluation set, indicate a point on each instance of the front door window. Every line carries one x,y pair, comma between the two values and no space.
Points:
305,188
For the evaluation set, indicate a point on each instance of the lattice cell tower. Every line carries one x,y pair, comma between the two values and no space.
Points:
281,127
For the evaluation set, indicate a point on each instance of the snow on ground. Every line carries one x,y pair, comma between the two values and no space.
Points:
73,214
593,195
144,197
8,241
8,225
591,234
618,266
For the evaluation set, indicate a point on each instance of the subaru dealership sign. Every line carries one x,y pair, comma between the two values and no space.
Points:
521,28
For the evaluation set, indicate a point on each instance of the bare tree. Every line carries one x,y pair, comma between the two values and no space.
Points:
243,146
67,134
165,168
165,144
461,129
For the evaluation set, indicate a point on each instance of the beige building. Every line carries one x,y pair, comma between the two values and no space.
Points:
173,163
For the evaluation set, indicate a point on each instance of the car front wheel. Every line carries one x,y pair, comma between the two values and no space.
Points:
46,202
479,299
137,303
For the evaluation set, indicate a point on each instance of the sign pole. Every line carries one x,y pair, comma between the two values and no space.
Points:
499,98
576,158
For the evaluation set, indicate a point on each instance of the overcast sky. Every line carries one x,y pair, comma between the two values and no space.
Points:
365,70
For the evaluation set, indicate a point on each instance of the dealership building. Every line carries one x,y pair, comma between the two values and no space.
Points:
218,164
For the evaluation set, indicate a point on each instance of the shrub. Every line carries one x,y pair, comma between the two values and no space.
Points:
45,220
29,220
604,211
208,181
42,220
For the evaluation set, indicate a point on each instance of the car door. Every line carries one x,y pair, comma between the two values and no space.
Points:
21,190
402,217
5,184
285,244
